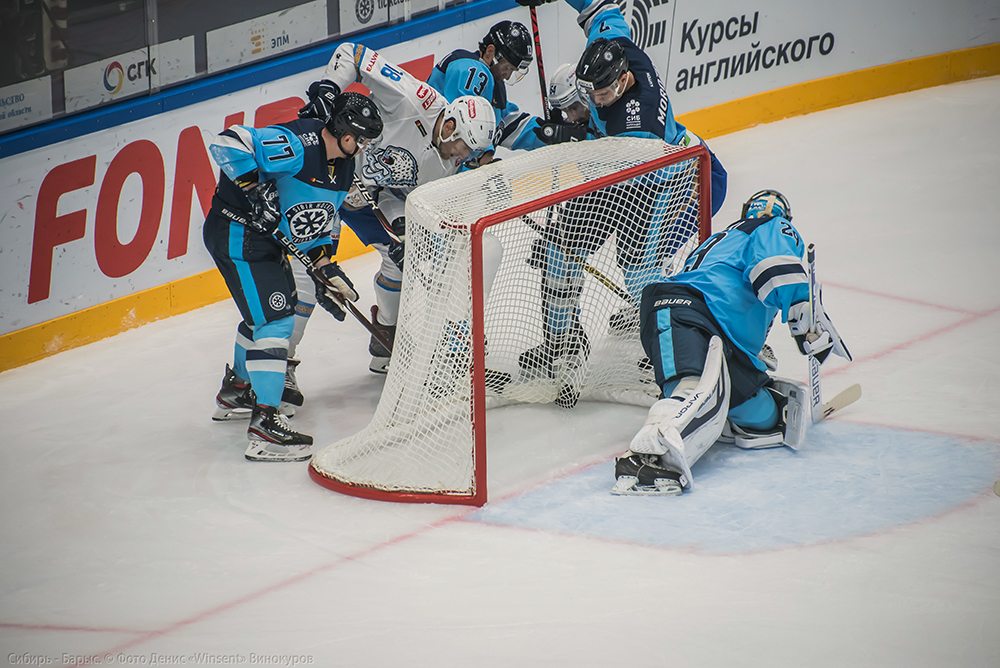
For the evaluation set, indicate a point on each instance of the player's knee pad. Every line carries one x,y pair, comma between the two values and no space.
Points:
680,429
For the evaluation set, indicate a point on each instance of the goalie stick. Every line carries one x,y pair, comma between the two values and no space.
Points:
292,249
820,410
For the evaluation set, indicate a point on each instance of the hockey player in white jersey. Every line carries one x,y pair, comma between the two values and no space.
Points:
425,138
702,330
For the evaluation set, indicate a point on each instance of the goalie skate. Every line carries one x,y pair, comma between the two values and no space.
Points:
642,475
792,398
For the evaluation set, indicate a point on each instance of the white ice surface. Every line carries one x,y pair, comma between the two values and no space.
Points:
133,530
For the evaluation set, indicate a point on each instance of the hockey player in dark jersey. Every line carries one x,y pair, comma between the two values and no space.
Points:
703,328
625,97
290,177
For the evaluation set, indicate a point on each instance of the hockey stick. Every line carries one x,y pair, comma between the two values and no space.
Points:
378,212
538,60
593,271
820,410
292,249
815,389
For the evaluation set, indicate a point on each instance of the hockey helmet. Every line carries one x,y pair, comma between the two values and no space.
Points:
354,114
767,203
562,88
475,121
602,64
510,41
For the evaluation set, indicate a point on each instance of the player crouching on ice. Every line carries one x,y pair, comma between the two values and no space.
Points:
702,330
290,178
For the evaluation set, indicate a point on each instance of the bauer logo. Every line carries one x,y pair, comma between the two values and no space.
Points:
672,301
114,77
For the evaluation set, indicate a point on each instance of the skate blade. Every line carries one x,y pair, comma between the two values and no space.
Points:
226,413
286,409
379,365
628,485
266,451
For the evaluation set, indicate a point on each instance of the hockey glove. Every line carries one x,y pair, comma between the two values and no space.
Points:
557,133
819,341
265,210
321,95
332,282
398,248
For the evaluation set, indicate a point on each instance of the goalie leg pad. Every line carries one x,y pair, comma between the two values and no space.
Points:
681,429
792,399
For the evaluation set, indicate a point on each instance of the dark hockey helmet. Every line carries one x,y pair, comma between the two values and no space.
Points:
510,39
354,114
603,62
767,203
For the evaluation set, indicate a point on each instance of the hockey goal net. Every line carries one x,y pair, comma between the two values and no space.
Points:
521,284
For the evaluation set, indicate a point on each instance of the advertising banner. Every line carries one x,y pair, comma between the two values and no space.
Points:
266,36
128,73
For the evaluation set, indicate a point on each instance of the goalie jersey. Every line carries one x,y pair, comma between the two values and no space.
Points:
748,273
309,189
404,156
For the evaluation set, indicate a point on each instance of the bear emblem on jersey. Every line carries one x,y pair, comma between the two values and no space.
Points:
391,167
310,220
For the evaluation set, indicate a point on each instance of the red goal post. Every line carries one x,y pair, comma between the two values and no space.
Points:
516,256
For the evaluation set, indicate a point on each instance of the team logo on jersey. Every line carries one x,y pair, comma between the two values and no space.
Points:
277,301
391,167
364,10
632,120
309,220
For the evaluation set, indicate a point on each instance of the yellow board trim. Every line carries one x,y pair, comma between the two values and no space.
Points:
95,323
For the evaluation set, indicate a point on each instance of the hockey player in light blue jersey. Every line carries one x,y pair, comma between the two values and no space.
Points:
703,328
291,177
504,56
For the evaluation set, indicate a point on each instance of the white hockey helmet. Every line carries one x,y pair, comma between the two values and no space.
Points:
475,121
563,90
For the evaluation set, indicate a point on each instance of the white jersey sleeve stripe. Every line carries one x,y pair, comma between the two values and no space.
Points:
776,271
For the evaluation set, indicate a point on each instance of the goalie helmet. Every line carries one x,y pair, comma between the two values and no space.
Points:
354,114
563,90
767,203
510,39
602,64
475,121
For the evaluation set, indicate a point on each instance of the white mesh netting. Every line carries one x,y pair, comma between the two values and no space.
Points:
560,285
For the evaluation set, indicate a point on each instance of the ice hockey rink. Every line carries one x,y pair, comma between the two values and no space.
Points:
135,533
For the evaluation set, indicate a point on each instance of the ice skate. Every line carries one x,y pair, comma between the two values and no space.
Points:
380,354
236,399
291,397
645,475
273,440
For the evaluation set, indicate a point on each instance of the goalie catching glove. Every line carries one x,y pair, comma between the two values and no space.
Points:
821,339
265,211
333,285
321,96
